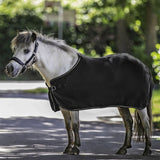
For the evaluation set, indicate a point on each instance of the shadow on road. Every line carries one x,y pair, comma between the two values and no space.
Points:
39,138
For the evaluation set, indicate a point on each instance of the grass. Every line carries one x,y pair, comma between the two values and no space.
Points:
156,108
38,90
156,102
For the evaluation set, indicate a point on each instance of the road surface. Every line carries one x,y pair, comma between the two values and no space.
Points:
30,130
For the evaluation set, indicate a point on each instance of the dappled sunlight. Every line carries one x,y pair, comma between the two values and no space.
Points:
21,85
22,107
156,137
23,151
34,130
96,114
116,119
47,124
39,107
31,137
96,131
39,136
103,137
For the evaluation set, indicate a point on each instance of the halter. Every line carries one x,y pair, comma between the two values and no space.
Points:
33,56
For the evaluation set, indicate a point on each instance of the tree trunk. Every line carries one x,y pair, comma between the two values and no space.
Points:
122,38
150,30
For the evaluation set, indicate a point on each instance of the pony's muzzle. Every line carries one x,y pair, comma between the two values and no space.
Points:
9,68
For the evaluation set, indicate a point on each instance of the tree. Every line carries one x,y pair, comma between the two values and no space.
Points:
122,36
150,27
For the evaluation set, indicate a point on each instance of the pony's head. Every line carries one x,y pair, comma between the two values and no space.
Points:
24,47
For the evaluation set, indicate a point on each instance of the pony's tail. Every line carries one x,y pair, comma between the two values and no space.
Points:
138,126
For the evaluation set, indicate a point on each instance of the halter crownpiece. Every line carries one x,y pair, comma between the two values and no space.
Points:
33,58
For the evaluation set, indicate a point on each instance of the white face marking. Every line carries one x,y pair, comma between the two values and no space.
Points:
23,53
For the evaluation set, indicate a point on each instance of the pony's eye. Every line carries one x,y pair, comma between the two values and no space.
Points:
26,51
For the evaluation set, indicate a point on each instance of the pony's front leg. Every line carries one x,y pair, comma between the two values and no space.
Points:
75,127
68,125
128,122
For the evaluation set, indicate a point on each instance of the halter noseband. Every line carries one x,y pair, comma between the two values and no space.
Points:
33,56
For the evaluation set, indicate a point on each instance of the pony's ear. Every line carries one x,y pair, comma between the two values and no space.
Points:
17,33
34,36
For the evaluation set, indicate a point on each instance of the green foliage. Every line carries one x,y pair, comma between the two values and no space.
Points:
156,108
94,30
21,7
139,52
156,62
81,50
156,101
97,22
108,51
93,53
14,16
8,29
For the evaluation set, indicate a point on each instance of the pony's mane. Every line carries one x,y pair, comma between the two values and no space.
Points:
25,38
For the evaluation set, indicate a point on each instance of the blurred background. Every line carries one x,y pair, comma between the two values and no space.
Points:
28,126
94,27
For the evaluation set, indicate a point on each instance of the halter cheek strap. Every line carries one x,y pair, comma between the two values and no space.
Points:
33,58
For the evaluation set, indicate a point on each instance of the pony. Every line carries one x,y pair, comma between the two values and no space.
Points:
53,58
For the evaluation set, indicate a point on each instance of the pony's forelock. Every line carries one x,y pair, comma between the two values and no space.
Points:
21,38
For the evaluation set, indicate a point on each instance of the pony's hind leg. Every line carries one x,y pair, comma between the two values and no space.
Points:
68,125
128,122
145,119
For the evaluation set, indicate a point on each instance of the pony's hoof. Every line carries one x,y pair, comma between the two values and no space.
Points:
122,151
68,150
71,150
75,150
147,152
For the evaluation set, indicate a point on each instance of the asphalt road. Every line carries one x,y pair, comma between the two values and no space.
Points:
40,138
30,130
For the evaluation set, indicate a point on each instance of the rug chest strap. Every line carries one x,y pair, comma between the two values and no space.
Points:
52,99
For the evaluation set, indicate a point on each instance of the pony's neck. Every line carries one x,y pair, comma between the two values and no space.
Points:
53,61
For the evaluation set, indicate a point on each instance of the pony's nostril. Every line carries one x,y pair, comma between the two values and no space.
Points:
10,68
